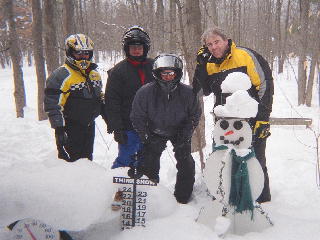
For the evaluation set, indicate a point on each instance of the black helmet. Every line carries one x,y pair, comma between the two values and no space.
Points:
136,35
167,62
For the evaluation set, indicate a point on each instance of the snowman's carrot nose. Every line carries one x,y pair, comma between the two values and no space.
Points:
228,133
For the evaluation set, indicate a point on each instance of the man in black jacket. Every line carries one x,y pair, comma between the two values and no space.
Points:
125,78
167,110
73,100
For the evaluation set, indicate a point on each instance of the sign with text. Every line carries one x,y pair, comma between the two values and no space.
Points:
134,204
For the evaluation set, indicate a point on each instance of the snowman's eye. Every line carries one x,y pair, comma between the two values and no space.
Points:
237,125
224,124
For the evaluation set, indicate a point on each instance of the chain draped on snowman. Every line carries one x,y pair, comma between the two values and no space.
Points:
232,173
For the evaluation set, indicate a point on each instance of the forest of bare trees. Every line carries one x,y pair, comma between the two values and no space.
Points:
33,32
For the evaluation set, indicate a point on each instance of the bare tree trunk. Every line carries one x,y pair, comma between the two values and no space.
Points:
160,25
69,24
268,37
151,24
302,76
245,26
50,36
318,70
310,84
264,30
80,16
234,21
315,53
15,53
173,13
95,8
283,44
226,16
2,57
144,13
190,46
278,29
183,40
38,55
61,36
135,10
215,13
84,12
259,26
239,22
29,57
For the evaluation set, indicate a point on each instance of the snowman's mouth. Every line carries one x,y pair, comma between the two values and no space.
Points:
236,142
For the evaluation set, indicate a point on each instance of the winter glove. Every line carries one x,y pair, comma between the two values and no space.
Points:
120,137
200,76
203,55
61,141
262,129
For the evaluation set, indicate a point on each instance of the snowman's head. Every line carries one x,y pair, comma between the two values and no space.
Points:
234,133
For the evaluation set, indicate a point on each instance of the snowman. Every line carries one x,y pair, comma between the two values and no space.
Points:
232,173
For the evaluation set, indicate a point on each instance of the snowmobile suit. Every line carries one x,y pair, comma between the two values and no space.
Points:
73,100
210,75
125,78
163,117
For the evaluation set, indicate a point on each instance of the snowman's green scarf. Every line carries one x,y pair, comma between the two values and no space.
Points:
240,192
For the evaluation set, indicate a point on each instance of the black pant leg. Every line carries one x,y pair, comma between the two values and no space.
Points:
260,148
151,155
186,172
80,140
89,141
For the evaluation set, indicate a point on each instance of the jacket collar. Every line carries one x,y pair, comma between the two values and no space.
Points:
136,63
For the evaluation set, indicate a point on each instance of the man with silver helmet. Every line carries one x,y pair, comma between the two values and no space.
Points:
124,79
73,99
167,110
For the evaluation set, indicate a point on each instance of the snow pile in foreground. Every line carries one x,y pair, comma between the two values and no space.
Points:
66,195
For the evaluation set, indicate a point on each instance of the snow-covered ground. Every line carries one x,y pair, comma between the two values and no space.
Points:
77,196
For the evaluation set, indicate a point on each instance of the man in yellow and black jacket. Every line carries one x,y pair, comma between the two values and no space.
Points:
215,60
73,99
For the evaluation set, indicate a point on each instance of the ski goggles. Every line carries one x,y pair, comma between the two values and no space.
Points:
171,73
